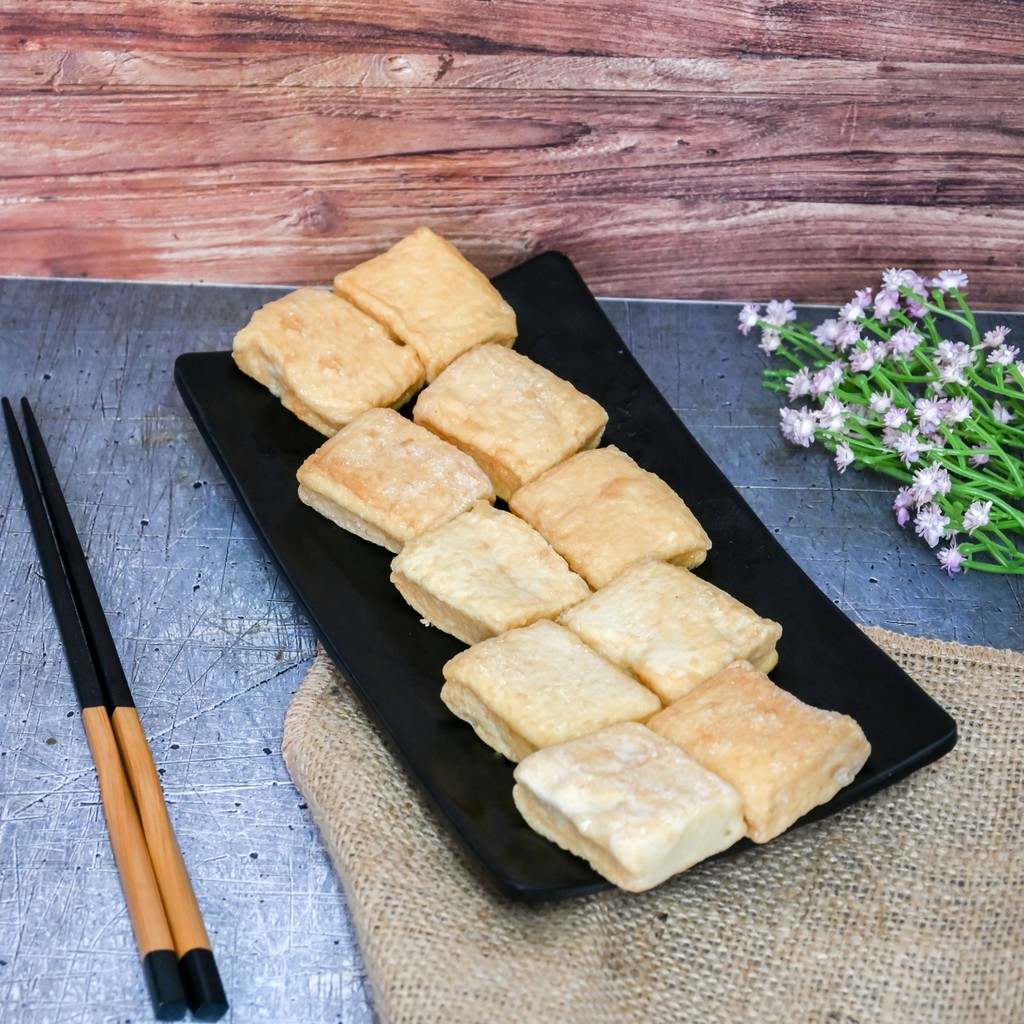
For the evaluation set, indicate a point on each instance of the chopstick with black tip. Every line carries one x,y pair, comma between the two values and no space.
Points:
203,987
131,853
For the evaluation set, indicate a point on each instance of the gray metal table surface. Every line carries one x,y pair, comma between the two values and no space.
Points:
215,647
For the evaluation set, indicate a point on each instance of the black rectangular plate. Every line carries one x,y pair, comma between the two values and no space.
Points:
394,662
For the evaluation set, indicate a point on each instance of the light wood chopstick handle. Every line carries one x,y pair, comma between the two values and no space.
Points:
141,893
183,913
203,985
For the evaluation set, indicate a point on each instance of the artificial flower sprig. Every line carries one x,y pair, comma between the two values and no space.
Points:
901,381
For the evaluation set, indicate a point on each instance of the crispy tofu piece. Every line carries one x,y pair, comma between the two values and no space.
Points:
387,480
629,802
514,416
603,513
324,359
537,686
430,297
484,572
671,629
782,755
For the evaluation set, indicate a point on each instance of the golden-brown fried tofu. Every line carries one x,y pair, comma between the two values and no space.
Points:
429,296
782,755
670,628
324,359
540,685
484,572
387,480
603,513
514,416
629,802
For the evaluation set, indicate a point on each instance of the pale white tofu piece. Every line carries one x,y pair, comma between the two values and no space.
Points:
324,359
629,802
782,755
431,298
537,686
603,513
670,628
388,480
484,572
514,416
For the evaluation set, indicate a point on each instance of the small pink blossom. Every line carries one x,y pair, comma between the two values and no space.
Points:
1000,413
880,402
994,337
798,425
948,280
904,341
902,505
886,302
951,558
849,335
778,314
895,418
827,378
749,316
908,446
855,308
863,359
844,457
977,515
1003,355
951,360
826,332
832,415
930,524
770,340
958,410
930,481
980,457
799,384
929,412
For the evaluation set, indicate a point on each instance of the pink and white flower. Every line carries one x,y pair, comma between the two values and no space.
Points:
798,425
930,524
977,515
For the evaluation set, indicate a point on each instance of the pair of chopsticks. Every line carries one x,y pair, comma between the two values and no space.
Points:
177,961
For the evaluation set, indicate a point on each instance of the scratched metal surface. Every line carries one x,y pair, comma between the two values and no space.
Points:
215,648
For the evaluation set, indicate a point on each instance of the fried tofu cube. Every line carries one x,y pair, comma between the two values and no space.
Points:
783,756
603,513
629,802
537,686
429,296
484,572
324,359
670,628
514,416
388,480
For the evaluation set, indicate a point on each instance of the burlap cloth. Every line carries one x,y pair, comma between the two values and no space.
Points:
905,909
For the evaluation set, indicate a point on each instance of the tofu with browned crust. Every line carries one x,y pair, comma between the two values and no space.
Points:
603,513
629,802
484,572
537,686
514,416
388,480
324,359
429,296
671,628
782,755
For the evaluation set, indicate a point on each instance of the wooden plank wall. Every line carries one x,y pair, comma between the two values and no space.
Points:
728,149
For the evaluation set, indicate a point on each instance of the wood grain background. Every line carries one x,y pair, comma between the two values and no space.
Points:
729,149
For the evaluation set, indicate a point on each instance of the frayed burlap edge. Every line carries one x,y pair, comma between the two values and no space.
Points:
907,908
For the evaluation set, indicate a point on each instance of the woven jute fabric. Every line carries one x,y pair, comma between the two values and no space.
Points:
907,908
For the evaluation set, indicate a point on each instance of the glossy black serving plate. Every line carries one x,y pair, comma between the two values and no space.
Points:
394,661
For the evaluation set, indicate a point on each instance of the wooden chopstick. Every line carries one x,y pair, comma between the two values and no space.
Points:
137,809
